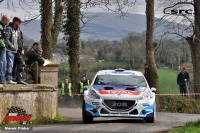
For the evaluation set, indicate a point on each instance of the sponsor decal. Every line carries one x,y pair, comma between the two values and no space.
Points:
119,92
119,114
141,89
95,103
17,114
120,72
145,104
149,110
89,108
97,106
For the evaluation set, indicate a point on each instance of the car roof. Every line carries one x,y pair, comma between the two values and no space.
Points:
119,72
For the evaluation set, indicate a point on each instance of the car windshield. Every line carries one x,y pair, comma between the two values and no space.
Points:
124,80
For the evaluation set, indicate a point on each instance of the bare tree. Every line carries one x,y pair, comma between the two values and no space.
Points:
151,44
189,32
50,30
195,48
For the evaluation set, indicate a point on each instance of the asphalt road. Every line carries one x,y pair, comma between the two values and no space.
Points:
164,122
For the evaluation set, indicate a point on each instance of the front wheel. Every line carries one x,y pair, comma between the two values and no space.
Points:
152,119
86,119
149,120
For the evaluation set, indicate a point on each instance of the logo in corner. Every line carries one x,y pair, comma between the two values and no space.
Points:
181,8
17,114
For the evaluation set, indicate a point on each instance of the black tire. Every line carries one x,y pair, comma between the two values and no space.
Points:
151,120
86,119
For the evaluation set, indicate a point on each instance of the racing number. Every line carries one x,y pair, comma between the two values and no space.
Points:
119,104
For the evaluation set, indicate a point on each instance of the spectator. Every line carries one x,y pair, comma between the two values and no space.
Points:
34,56
182,79
14,46
34,46
4,21
66,90
146,73
84,82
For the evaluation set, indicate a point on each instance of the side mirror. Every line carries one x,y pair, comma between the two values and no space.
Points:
153,89
85,88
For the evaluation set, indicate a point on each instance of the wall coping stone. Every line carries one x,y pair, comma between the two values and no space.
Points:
28,87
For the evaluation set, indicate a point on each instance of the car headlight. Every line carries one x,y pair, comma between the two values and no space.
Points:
93,94
146,95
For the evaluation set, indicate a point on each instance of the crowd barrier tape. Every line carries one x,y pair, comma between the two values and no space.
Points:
188,94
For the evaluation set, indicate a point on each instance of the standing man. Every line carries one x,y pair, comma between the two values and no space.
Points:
15,61
84,82
66,91
4,21
182,79
146,73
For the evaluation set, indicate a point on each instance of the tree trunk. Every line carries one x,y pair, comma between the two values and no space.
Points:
196,58
72,30
151,44
46,26
57,22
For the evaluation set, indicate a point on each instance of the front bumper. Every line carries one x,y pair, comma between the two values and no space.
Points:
119,107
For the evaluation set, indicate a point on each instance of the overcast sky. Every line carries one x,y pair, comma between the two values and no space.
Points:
33,10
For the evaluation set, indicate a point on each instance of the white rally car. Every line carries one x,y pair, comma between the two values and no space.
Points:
119,93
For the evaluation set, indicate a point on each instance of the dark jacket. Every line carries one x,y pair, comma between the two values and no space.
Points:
9,39
147,74
181,77
2,36
34,56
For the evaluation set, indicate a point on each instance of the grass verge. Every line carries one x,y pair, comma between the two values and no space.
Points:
44,120
189,127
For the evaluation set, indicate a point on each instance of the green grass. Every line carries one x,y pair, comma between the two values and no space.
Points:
46,120
167,81
189,127
63,65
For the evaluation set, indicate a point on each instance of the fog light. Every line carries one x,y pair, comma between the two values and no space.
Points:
94,111
143,112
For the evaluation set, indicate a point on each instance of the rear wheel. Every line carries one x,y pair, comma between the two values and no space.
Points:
86,119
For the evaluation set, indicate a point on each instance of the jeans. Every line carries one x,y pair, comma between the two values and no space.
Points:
10,61
18,67
2,64
182,89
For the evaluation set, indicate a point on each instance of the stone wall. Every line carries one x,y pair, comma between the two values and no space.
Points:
49,74
39,100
